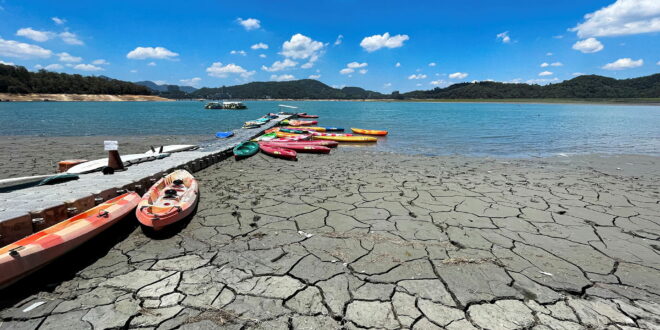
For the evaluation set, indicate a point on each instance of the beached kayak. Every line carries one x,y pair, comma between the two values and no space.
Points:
299,122
329,144
299,147
245,149
171,149
59,178
347,138
24,181
368,131
169,200
293,136
266,137
303,115
28,254
317,128
98,164
279,152
224,135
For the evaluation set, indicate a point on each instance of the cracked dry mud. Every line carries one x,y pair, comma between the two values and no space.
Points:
373,240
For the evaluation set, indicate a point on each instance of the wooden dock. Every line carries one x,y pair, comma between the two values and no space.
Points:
26,211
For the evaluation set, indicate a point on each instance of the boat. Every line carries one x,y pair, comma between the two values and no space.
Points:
279,152
22,182
317,128
169,200
368,131
304,115
347,138
213,105
59,178
224,135
233,105
266,137
298,147
30,253
324,143
171,149
299,122
293,136
128,160
245,149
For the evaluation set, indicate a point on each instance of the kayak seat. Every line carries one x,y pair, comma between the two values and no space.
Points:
177,182
170,194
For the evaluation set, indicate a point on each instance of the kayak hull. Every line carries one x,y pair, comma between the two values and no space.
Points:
245,149
157,209
360,139
299,147
279,152
369,131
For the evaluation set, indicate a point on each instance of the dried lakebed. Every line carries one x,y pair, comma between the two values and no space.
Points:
372,240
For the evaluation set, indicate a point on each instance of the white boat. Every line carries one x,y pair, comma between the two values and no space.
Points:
171,149
11,182
128,160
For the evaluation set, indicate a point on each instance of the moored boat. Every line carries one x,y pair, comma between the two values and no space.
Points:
369,131
30,253
169,200
298,147
279,152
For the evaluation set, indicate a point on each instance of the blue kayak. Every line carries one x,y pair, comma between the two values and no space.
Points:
224,135
334,129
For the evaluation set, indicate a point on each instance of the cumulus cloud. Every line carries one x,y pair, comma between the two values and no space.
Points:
504,37
355,65
70,38
556,64
190,82
376,42
363,71
314,76
250,23
36,35
432,64
339,40
624,63
66,57
133,71
151,64
398,64
623,17
658,63
577,74
438,82
589,45
417,76
143,53
223,71
88,67
545,73
548,54
386,85
458,75
238,52
100,61
262,55
302,47
280,65
346,71
6,63
260,45
58,21
544,64
53,67
11,48
282,77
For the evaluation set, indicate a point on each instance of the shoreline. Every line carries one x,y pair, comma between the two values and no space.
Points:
34,97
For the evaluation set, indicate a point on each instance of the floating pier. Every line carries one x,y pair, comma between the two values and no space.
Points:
26,211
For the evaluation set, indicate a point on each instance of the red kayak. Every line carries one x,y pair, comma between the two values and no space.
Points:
301,122
299,147
279,152
329,144
300,115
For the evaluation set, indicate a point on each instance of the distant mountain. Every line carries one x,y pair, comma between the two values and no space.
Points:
295,89
164,88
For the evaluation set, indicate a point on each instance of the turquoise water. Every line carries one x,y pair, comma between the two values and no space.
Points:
475,129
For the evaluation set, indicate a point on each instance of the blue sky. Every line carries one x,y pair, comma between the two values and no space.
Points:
436,43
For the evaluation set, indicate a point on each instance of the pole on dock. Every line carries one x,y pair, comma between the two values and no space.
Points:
114,160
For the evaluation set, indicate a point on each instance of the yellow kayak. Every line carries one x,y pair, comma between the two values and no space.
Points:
346,138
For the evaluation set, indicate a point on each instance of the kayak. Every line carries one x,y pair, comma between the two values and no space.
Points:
347,138
245,149
299,147
279,152
302,115
317,128
299,122
368,131
272,130
252,124
59,178
30,253
169,200
329,144
266,137
293,136
224,135
23,182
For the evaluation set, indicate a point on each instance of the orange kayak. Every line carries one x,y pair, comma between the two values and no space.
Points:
347,138
169,200
368,131
30,253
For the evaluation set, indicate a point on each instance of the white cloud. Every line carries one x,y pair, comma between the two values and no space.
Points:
6,63
282,77
100,61
11,48
66,57
544,64
314,76
53,67
250,23
142,53
151,64
70,38
432,64
589,45
262,55
88,67
458,75
658,63
386,85
35,35
160,82
377,42
623,17
280,65
624,63
260,45
548,54
417,76
220,71
302,47
577,74
438,82
190,82
363,71
556,64
346,70
238,52
545,73
504,37
134,71
418,85
356,65
339,40
398,64
58,21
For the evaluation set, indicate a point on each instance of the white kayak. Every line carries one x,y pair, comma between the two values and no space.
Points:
99,164
172,148
11,182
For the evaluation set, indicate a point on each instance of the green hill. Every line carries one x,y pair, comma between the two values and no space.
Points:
296,89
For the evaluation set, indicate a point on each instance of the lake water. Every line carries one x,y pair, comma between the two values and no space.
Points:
476,129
